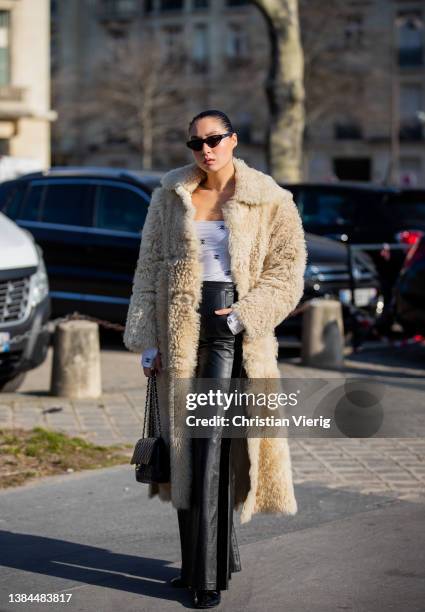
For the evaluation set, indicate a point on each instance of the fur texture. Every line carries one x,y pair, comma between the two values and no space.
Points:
268,258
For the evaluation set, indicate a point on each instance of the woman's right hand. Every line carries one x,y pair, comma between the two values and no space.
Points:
155,368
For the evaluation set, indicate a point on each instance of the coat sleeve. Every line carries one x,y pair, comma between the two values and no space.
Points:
281,283
140,329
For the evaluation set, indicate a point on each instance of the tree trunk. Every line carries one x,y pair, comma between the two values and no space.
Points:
285,89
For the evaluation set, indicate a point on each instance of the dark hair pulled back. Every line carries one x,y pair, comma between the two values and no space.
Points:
227,124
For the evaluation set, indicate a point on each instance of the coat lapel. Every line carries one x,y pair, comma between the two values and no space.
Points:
251,189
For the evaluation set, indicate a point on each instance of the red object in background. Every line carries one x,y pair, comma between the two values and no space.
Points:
415,252
409,236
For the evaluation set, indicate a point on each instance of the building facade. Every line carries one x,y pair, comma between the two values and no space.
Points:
374,126
208,46
365,82
25,113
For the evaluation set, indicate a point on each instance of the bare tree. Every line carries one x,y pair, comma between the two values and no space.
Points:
134,96
316,69
333,74
138,92
285,89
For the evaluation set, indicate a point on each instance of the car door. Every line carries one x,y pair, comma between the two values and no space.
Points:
59,213
119,215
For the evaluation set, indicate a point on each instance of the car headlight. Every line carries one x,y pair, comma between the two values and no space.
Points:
40,284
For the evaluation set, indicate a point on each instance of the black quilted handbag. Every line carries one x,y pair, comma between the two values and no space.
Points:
151,455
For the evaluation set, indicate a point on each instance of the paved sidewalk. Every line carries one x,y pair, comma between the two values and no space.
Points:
390,466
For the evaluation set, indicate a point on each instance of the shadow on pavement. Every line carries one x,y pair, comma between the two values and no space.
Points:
90,565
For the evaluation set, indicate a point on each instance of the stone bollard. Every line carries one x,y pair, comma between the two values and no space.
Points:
76,360
323,334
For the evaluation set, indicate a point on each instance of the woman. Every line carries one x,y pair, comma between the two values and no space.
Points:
221,264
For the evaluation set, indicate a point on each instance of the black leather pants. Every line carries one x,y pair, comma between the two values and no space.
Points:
209,547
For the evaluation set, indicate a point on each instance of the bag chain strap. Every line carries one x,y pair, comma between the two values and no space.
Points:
152,400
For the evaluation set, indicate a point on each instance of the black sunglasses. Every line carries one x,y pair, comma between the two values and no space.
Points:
212,141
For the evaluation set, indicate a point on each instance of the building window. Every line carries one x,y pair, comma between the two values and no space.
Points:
201,4
200,47
172,40
236,45
4,48
410,38
347,131
171,5
352,168
237,2
353,31
411,105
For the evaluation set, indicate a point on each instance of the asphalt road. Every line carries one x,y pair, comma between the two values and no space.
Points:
96,536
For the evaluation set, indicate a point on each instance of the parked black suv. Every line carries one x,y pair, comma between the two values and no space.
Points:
88,222
359,213
364,214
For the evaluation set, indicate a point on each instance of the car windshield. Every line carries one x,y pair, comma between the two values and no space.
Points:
325,207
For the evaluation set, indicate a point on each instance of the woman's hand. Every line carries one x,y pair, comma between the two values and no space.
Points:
233,320
223,311
156,367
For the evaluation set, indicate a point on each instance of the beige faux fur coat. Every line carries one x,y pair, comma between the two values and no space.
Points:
268,257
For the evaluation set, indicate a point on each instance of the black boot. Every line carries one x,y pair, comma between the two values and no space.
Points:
206,598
